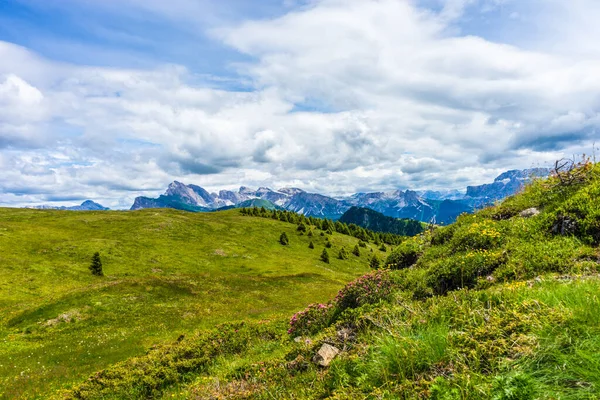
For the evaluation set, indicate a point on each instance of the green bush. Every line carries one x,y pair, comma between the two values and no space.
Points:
405,255
343,254
463,270
516,387
368,289
283,239
311,320
477,234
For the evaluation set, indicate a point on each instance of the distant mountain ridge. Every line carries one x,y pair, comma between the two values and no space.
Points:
441,207
87,205
375,221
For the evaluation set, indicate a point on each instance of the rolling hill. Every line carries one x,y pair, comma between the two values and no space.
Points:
167,273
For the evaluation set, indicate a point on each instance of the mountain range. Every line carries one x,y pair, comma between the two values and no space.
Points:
441,207
87,205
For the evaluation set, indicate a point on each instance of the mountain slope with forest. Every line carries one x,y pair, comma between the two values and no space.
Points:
370,219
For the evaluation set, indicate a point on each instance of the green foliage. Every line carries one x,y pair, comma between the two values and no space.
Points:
362,244
404,255
311,320
301,227
515,387
311,245
356,251
325,256
374,262
96,265
368,289
343,254
283,239
383,248
328,243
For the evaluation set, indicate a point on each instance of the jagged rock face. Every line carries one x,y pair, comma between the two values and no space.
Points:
506,184
440,207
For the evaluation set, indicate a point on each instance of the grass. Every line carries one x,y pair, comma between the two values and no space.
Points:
167,273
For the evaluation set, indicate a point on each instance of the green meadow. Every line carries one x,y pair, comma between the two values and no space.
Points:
167,273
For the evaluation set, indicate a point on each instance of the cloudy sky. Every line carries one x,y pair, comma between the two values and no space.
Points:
114,99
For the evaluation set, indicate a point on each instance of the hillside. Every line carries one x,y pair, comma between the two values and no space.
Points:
500,305
167,273
373,220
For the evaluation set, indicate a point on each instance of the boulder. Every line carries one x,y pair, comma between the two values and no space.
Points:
325,355
530,212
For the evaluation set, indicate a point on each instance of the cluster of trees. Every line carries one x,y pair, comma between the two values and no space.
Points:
306,224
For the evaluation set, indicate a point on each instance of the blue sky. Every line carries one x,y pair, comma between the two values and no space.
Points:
113,99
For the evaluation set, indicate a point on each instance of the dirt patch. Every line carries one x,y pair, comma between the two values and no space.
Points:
65,317
220,252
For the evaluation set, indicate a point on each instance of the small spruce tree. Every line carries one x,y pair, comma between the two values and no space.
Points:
362,244
311,245
310,233
374,263
328,243
301,227
356,251
96,265
383,248
325,256
343,254
283,239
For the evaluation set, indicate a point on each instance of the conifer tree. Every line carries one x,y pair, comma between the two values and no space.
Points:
328,243
343,254
374,263
283,239
301,227
356,251
383,248
96,265
311,245
325,256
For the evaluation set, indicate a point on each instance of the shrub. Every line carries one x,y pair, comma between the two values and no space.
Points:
374,262
328,244
311,245
310,233
96,265
325,256
301,227
383,248
311,320
404,255
343,254
478,235
463,270
283,239
368,289
516,387
362,244
356,251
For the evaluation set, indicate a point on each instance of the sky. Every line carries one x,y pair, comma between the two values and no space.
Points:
114,99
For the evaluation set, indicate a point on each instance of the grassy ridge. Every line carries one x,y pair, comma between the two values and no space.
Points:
167,273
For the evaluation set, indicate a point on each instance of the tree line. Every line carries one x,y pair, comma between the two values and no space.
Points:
326,225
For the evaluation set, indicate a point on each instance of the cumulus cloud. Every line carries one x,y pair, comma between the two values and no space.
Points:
346,95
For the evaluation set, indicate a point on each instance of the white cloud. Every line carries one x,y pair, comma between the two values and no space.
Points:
408,102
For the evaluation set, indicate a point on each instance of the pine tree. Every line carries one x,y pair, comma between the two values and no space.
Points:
301,227
362,244
283,239
325,256
328,243
356,251
374,263
311,245
383,248
343,254
96,265
310,233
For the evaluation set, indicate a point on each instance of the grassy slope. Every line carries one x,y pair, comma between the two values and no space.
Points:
167,273
496,306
